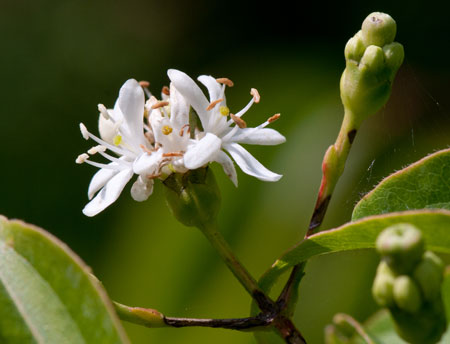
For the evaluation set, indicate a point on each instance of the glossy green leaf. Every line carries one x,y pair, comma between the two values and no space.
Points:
422,185
435,226
47,294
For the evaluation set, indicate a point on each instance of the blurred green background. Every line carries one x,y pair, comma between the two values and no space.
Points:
59,59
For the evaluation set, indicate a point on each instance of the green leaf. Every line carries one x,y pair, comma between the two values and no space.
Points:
434,224
47,294
422,185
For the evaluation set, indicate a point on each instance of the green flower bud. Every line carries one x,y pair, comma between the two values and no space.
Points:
402,247
429,275
424,327
372,60
383,286
407,294
378,29
193,197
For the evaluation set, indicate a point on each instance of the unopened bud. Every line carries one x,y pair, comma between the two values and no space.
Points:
373,59
383,286
407,294
402,247
394,54
193,197
429,275
378,29
354,48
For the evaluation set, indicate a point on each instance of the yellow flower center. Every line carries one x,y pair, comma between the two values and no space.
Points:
117,140
166,130
224,110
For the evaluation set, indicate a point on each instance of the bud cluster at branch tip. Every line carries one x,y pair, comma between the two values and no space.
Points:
372,60
408,282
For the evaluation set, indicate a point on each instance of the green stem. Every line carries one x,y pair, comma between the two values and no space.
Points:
210,230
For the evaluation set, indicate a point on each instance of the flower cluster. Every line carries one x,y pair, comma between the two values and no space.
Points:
153,138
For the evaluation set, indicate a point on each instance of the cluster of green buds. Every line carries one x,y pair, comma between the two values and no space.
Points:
372,60
408,282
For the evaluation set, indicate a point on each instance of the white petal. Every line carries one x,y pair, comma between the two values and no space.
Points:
107,129
191,91
100,179
131,103
202,152
179,108
249,164
109,194
228,166
255,136
214,88
141,189
148,164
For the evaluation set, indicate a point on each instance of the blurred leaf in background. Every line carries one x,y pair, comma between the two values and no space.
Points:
61,58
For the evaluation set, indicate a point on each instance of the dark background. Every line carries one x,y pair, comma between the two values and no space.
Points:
59,59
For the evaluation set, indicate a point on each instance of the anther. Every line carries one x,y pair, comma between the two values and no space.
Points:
214,103
173,154
96,149
225,81
224,110
182,129
159,105
165,90
103,111
274,118
166,130
144,84
117,140
84,131
82,158
145,149
256,97
239,121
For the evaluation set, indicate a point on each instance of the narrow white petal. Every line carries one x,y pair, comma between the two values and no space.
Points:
131,103
179,108
214,88
249,164
191,91
141,189
109,194
100,179
148,164
228,166
202,152
255,136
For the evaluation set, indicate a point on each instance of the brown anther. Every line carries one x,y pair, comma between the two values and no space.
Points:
168,155
239,121
159,104
254,92
274,118
153,176
214,103
144,84
182,129
165,90
145,149
225,81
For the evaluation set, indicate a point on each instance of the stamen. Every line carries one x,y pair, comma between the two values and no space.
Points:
167,155
82,158
117,140
239,121
224,110
225,81
103,111
166,130
254,92
145,149
96,149
144,84
158,105
84,131
274,118
214,103
165,90
182,129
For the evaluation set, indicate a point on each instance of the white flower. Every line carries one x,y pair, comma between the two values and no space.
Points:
122,132
218,130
